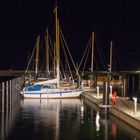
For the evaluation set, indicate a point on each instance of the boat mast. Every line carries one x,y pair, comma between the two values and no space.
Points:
92,56
57,48
54,61
110,65
47,51
37,55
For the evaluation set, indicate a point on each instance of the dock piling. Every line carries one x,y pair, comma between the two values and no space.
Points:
3,91
106,94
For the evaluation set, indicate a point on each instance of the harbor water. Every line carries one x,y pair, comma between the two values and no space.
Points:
64,119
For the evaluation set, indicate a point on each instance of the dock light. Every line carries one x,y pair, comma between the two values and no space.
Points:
69,79
111,90
73,82
97,91
82,108
135,105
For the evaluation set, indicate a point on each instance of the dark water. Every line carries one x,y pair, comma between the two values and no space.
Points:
62,119
67,119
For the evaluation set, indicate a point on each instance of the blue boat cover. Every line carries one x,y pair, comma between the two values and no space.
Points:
34,88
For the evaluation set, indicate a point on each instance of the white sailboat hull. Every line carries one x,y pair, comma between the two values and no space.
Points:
44,94
46,89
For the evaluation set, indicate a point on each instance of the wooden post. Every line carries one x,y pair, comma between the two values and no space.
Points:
3,92
133,82
95,81
139,82
126,90
13,86
106,94
7,95
10,97
128,82
2,115
7,108
10,92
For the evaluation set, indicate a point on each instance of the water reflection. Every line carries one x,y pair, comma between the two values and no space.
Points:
107,126
97,121
114,130
71,119
119,126
7,119
51,119
82,111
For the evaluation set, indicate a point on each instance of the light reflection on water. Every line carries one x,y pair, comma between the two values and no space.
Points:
97,121
67,119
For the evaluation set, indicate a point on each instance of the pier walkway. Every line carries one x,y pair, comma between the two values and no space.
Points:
123,109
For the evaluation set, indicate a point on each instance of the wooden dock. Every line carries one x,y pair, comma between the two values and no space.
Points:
123,109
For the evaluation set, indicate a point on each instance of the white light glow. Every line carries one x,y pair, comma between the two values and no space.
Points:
135,105
97,121
97,91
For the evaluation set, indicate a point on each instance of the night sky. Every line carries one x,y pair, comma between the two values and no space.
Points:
21,21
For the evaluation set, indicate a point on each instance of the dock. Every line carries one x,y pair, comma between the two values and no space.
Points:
123,109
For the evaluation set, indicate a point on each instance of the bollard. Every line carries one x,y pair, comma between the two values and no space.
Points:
97,91
82,108
73,82
135,105
110,90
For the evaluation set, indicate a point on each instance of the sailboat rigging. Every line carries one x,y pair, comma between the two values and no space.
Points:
51,88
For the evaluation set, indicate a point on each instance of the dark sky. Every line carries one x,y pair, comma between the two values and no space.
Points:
117,20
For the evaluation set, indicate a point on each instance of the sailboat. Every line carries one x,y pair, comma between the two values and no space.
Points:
52,88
